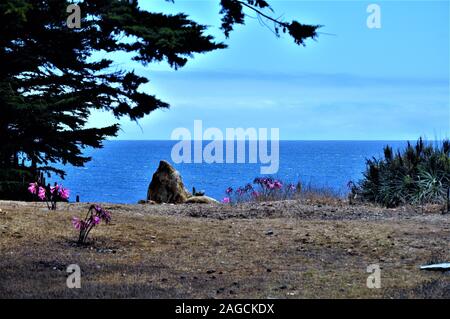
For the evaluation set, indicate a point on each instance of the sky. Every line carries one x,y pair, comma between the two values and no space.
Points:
352,83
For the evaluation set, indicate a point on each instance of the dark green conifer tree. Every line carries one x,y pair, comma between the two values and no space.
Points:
50,78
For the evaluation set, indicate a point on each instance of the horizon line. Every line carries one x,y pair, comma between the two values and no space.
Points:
281,140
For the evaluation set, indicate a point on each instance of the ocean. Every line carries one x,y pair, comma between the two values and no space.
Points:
122,170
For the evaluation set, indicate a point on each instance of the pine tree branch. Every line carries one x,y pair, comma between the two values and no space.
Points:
281,23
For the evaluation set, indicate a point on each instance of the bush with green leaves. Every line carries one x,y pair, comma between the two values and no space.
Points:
418,174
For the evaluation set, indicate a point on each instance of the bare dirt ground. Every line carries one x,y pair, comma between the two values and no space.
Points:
286,249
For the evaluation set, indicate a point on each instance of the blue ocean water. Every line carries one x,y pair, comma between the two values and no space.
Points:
121,171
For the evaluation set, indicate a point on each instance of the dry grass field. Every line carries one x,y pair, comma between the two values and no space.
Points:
282,249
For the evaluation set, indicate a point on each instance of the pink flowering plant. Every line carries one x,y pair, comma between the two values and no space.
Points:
50,194
263,189
95,215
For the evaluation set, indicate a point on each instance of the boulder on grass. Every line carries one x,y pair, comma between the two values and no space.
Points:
167,186
201,200
143,201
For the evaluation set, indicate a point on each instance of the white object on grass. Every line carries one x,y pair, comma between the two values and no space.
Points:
442,266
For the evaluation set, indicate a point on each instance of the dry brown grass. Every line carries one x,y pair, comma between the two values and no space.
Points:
161,252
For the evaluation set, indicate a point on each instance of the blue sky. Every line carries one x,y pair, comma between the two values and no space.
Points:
357,84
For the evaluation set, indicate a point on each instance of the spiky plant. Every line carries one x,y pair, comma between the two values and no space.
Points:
419,174
431,187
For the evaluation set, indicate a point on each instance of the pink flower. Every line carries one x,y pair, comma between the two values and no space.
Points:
103,213
96,220
64,193
278,185
32,188
76,222
226,200
41,193
98,209
106,216
255,194
229,190
271,185
54,188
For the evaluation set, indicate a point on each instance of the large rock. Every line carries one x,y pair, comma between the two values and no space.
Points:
166,185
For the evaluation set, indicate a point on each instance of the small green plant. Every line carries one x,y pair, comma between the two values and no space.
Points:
417,175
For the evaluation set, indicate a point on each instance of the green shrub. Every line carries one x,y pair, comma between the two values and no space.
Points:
10,190
419,174
14,183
